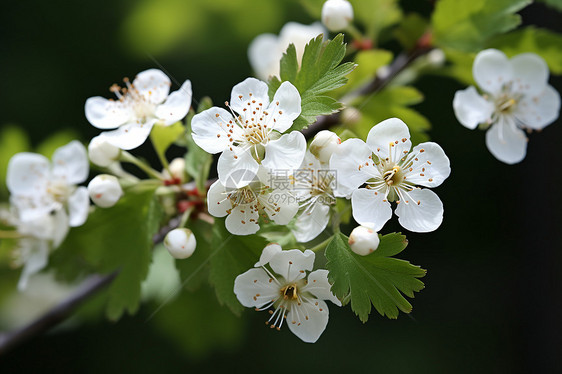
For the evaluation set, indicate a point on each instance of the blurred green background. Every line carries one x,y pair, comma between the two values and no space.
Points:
493,288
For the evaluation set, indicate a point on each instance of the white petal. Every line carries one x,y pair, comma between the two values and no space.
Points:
153,84
27,173
210,131
268,252
35,262
319,286
430,167
129,136
285,106
506,142
281,206
421,211
292,264
60,227
70,162
242,220
237,166
107,114
217,201
285,153
370,208
310,320
246,91
78,207
530,73
390,139
348,165
299,35
471,108
33,206
491,70
176,106
311,222
264,55
536,112
254,289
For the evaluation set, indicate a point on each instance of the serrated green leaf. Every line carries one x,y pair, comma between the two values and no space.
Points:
289,64
545,43
375,279
468,25
116,238
232,255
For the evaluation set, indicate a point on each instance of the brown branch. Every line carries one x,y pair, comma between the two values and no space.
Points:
95,283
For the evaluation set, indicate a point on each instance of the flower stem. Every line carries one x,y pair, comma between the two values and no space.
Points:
12,234
127,157
322,245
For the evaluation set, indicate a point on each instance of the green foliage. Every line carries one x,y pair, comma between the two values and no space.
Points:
197,161
48,146
116,239
163,137
231,256
368,62
411,28
376,15
319,73
542,42
376,279
468,25
556,4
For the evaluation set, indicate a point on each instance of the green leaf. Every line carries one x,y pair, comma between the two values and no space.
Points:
231,256
376,15
197,161
116,238
411,28
556,4
467,25
48,146
543,42
375,279
320,72
163,137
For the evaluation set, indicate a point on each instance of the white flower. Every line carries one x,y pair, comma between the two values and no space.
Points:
252,136
391,173
324,144
139,106
266,50
517,96
38,187
313,186
244,197
337,14
105,190
298,300
363,240
102,153
180,243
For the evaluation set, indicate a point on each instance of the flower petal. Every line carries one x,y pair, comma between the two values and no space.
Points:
264,55
309,320
292,264
153,84
311,222
78,207
242,220
211,129
348,164
254,288
285,153
218,203
420,211
390,139
129,136
70,162
268,252
107,114
246,91
280,205
299,35
38,255
319,286
530,74
237,166
370,208
538,111
491,70
27,173
60,228
430,166
285,106
506,142
471,108
176,106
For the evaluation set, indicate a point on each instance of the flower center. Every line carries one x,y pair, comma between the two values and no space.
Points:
243,195
393,176
59,190
130,96
290,292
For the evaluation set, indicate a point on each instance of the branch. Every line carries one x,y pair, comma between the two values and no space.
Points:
96,283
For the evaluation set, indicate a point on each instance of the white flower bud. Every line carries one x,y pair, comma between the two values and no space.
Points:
177,168
436,57
363,240
324,144
105,190
337,14
350,116
102,153
180,243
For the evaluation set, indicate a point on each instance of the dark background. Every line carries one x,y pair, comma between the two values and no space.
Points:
492,296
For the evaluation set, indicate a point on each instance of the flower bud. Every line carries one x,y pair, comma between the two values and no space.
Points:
105,190
180,243
324,144
102,153
363,240
337,14
177,168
